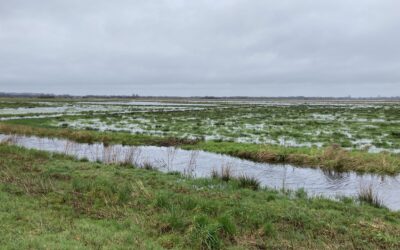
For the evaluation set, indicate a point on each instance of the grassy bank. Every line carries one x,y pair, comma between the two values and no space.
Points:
53,201
332,157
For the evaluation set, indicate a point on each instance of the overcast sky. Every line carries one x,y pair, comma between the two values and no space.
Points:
213,47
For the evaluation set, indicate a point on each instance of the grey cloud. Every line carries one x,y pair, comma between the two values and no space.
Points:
178,47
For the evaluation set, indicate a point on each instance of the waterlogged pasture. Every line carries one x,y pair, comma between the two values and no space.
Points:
19,110
371,127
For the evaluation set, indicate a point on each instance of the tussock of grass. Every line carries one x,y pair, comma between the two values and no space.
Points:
367,195
225,174
251,182
215,174
54,201
148,166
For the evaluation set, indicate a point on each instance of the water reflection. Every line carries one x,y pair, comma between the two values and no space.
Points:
335,176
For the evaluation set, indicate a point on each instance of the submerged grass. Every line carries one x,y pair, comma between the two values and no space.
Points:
56,202
332,157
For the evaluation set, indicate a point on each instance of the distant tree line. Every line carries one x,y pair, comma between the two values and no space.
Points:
47,96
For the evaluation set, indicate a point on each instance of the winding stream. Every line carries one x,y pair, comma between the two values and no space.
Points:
200,164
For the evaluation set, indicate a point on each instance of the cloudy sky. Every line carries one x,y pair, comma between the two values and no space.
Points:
202,47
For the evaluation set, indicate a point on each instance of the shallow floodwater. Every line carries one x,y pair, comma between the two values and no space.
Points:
200,164
149,103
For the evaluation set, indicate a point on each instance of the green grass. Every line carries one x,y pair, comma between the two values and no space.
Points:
52,201
20,104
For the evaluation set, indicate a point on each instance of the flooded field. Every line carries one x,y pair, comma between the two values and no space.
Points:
53,109
201,164
373,127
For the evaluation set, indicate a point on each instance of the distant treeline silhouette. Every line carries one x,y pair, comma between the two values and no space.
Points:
49,95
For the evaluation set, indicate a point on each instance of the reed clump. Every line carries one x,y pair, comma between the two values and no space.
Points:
366,194
251,182
225,173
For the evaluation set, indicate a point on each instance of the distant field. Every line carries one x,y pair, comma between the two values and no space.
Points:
371,126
